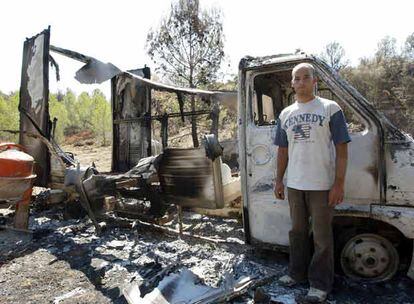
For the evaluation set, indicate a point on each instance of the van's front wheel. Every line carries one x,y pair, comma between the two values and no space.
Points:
370,257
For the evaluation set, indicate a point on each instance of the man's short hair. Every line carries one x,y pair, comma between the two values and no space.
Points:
304,65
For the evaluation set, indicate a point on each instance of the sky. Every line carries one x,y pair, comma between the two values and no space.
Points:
115,31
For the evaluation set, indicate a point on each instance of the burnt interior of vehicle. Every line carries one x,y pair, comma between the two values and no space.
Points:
273,92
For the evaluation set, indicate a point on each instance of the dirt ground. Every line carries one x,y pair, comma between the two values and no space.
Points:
92,153
66,262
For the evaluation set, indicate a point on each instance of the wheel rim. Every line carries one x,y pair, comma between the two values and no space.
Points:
369,256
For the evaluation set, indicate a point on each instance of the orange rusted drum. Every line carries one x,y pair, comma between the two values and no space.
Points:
14,163
16,179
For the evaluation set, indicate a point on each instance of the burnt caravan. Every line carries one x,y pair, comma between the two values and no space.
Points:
374,226
142,168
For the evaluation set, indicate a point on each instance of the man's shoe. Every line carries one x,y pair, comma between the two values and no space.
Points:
316,295
287,281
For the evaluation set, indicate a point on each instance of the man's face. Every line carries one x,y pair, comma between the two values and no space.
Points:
303,81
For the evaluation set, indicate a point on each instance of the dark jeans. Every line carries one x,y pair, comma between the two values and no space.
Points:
319,269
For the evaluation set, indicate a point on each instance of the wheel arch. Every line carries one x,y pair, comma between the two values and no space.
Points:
385,224
392,217
342,222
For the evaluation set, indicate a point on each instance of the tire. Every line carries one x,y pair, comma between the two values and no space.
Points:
368,257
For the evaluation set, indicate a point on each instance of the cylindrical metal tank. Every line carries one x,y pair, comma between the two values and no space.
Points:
16,178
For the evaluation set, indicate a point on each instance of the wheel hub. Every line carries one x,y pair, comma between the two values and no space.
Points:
369,256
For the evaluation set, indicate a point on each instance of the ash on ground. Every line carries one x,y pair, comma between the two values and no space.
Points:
65,262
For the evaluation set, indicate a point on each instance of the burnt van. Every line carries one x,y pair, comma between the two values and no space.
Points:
374,226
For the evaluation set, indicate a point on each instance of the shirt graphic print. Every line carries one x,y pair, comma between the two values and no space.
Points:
302,131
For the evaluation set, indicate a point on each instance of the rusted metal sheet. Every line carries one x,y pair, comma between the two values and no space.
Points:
34,106
190,179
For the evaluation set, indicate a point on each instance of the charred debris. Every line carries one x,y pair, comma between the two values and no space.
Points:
150,183
142,168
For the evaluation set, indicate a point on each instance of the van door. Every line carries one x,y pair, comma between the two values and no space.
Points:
268,218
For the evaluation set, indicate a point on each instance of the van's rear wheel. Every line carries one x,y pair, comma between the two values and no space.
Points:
370,257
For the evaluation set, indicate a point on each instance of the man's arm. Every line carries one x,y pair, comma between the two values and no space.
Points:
282,161
281,141
336,194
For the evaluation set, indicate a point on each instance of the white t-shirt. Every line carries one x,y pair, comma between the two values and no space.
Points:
308,130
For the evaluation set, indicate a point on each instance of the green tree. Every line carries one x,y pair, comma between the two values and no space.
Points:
409,47
188,46
84,108
334,56
59,111
101,116
70,101
386,80
387,48
9,116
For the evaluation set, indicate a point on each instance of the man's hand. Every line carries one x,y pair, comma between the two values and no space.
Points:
280,190
282,161
336,194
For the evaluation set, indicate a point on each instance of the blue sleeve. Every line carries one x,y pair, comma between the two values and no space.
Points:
281,137
339,129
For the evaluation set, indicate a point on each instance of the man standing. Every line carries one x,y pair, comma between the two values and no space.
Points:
315,180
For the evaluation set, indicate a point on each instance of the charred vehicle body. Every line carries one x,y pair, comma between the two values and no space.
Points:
374,227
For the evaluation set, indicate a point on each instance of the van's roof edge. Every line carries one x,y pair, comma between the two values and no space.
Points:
249,62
